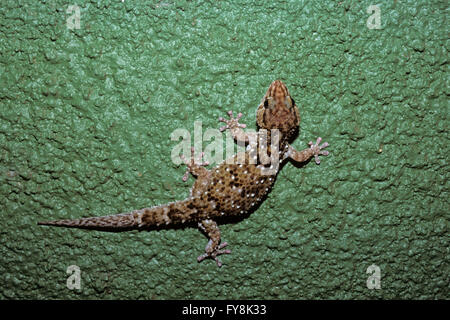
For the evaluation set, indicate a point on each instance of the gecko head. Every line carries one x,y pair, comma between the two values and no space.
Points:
278,110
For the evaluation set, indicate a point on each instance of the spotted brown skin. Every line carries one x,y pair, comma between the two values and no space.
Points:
234,187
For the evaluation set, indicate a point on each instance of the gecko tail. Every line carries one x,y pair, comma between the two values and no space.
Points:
117,221
172,213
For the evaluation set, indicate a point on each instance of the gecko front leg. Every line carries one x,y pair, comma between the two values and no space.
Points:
235,127
314,150
214,247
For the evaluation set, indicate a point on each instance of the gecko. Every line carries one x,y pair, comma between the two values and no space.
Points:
234,187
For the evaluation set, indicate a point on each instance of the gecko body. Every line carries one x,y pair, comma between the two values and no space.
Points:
232,188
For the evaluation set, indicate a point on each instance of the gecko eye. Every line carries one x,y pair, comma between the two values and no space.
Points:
289,102
269,103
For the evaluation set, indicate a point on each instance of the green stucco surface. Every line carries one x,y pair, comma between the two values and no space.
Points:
85,123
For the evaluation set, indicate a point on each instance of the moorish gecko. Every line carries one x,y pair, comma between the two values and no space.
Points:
234,187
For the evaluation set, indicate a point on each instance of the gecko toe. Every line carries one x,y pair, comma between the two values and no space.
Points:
202,257
214,254
233,122
192,164
317,149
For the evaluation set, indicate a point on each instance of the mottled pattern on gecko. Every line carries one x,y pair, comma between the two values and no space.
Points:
232,188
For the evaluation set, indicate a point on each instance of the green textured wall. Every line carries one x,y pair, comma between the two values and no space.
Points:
85,123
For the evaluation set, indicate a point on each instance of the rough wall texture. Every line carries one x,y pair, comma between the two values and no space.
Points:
85,124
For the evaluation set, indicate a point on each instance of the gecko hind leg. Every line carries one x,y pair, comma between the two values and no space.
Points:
193,166
214,247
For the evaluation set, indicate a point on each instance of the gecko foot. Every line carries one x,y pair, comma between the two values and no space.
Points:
232,123
317,150
192,164
213,253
